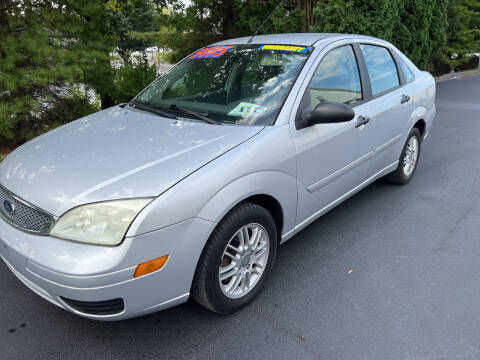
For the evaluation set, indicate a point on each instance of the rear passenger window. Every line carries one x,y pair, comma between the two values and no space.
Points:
336,79
381,68
407,73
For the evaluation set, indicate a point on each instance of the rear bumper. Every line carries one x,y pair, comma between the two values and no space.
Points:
58,270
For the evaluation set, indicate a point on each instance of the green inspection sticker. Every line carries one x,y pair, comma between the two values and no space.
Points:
247,109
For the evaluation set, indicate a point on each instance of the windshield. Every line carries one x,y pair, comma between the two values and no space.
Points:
241,84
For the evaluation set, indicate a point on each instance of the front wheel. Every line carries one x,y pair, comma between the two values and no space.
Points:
408,161
237,259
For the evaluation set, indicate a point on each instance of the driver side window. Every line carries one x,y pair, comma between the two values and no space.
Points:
336,79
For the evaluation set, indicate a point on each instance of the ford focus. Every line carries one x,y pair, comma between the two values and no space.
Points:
189,189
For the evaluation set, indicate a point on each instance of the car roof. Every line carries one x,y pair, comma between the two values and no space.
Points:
305,39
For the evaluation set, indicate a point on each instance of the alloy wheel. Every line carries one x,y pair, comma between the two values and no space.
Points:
411,156
244,260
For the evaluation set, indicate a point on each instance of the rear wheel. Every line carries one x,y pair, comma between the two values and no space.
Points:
408,161
237,259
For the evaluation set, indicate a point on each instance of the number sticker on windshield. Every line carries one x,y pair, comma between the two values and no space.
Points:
298,49
247,109
211,52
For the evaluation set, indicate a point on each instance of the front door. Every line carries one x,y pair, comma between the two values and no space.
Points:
332,159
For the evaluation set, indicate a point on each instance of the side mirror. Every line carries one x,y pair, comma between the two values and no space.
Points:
325,113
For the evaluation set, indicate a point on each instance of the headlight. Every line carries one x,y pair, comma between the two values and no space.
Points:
104,223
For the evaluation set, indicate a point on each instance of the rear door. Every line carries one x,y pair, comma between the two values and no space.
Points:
391,103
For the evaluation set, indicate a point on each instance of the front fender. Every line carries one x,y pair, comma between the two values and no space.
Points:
276,184
263,165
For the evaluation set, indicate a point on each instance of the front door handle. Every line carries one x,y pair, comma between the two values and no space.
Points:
404,99
362,120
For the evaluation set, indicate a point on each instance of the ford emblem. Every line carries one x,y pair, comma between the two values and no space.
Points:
9,207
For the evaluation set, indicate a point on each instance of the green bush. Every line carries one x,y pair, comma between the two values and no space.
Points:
470,64
64,106
418,28
45,46
132,78
58,106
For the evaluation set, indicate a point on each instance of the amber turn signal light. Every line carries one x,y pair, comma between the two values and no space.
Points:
150,266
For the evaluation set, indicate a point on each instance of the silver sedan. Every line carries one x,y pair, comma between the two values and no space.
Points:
189,189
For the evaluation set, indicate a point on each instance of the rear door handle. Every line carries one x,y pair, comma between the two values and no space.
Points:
362,120
404,99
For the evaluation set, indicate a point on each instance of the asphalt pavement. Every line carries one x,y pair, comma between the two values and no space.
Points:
392,273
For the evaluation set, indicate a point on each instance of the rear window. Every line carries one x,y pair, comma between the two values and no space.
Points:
382,70
407,73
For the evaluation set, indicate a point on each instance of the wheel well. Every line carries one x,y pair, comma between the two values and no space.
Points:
273,207
421,126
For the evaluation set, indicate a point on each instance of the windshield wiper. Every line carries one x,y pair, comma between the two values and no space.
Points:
194,113
152,109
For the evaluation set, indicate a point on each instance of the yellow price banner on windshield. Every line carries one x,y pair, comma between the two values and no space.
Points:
299,49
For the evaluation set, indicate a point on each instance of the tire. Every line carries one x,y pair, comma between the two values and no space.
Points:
403,174
207,288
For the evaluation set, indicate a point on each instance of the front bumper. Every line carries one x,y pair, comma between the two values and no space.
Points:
56,269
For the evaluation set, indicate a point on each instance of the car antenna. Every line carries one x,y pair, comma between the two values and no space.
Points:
263,23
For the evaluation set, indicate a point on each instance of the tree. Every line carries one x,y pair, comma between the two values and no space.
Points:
370,17
463,32
421,33
134,17
47,46
307,6
43,46
185,28
418,28
132,78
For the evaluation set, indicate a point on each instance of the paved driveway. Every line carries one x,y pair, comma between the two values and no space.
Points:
414,292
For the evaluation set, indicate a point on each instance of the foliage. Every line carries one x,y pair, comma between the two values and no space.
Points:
44,45
370,17
66,105
137,16
48,45
424,24
463,33
186,27
419,28
416,27
132,78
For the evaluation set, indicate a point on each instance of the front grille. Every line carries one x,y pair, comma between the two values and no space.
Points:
23,215
106,307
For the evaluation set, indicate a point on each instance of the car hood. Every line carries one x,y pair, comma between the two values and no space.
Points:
113,154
